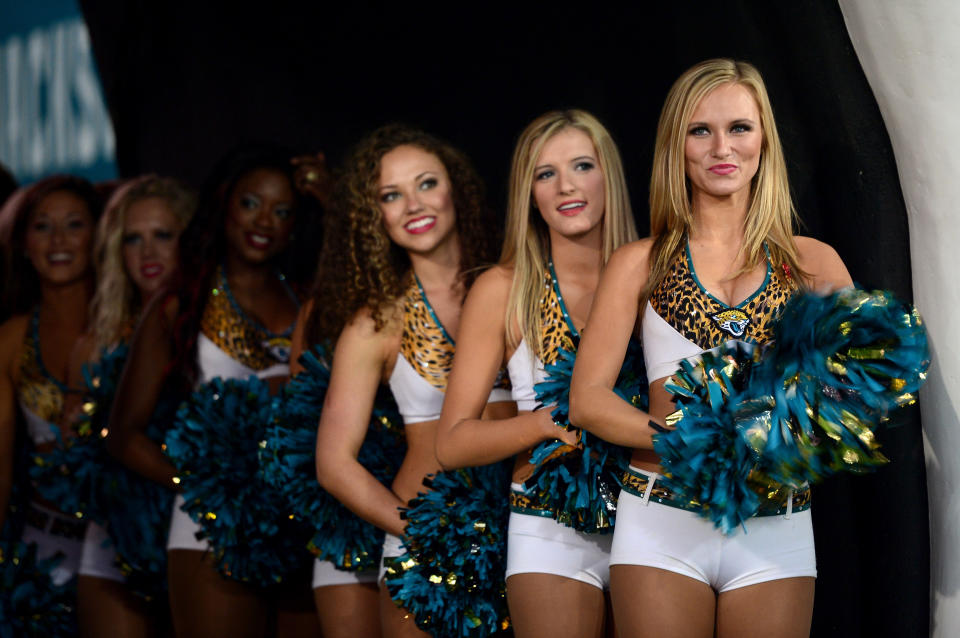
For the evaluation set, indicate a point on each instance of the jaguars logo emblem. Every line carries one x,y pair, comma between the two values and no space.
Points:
733,321
278,348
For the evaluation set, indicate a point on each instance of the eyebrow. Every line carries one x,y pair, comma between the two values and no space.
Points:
414,179
739,120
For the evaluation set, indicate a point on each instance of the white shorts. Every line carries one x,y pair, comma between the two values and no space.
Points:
183,530
652,534
99,556
392,548
55,533
541,545
325,575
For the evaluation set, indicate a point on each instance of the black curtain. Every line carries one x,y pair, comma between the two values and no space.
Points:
185,82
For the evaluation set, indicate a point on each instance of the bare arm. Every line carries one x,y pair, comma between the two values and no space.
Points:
358,366
593,404
138,391
298,341
826,270
463,439
9,351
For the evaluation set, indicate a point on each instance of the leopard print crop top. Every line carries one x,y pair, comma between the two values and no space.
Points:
682,319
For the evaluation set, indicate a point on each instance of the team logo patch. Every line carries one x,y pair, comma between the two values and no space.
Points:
733,321
278,347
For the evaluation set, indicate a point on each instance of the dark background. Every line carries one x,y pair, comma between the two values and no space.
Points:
186,82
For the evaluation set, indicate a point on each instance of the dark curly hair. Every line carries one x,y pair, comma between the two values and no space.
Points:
21,286
203,245
360,267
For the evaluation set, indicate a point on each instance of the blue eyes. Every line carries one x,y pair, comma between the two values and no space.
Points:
392,196
161,235
388,197
581,166
701,131
427,184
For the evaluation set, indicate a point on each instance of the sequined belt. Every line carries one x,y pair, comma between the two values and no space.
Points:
528,504
55,524
777,503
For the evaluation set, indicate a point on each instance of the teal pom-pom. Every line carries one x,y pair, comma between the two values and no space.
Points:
82,478
30,604
707,459
451,579
581,485
215,444
287,460
840,366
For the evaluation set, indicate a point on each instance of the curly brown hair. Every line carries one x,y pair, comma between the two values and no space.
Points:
360,267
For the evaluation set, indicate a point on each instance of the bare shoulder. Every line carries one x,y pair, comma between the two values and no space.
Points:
493,286
635,255
822,264
13,331
305,311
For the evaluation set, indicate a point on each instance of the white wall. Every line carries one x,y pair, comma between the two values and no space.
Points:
910,52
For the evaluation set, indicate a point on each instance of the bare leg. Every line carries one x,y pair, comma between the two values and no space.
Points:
107,608
207,605
654,602
348,611
555,606
296,615
395,621
775,609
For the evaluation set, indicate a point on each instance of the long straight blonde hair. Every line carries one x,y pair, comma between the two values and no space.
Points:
770,216
526,247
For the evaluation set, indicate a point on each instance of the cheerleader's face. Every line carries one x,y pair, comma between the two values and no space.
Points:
59,238
568,184
416,199
150,234
260,215
723,143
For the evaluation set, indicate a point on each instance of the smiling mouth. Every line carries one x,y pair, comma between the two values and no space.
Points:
152,270
60,258
723,169
257,240
420,225
571,208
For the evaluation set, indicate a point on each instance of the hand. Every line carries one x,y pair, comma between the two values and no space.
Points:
312,177
552,430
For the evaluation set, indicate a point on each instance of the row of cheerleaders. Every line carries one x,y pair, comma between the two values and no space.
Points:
751,422
749,418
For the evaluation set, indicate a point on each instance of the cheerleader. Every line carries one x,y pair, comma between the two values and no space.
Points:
136,256
568,211
409,234
720,264
47,233
232,318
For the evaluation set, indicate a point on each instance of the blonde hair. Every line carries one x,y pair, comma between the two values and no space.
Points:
526,247
116,300
770,215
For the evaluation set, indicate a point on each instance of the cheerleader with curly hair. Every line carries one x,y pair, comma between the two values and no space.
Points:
407,234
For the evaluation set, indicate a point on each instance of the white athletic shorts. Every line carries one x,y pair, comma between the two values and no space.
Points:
99,556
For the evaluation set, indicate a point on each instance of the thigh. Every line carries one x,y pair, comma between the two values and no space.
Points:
555,606
206,605
106,608
395,621
773,609
296,615
648,601
348,611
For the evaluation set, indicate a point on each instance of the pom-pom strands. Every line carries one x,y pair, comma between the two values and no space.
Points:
580,485
808,408
81,477
30,604
452,576
287,459
214,443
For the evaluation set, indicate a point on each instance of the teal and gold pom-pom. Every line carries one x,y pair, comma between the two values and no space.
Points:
215,444
580,485
451,578
82,478
30,604
802,409
287,458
